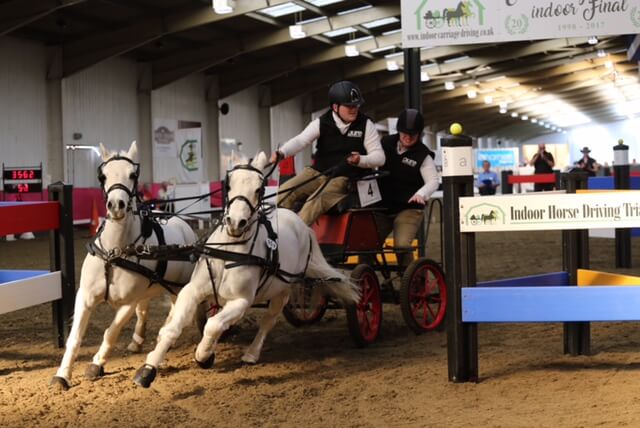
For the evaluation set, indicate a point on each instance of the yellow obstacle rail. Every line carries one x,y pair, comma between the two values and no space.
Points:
593,277
391,257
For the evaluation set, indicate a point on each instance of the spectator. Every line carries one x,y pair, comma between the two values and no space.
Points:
487,181
587,163
543,163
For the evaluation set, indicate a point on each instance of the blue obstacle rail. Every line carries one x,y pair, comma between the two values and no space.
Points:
542,280
550,304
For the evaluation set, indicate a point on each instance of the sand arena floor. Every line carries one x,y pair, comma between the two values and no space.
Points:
315,377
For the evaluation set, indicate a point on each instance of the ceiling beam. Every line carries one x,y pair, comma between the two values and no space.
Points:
85,52
170,69
18,13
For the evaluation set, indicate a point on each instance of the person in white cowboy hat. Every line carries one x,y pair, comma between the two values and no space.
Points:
587,163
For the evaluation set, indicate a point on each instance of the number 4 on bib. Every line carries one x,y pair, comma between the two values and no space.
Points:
368,192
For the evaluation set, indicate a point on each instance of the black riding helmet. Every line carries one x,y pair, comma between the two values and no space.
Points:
410,121
345,93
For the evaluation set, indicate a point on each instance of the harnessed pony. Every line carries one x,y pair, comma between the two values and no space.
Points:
242,263
112,272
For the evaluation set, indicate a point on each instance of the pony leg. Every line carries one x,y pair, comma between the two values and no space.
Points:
139,332
268,320
81,315
182,314
230,314
123,315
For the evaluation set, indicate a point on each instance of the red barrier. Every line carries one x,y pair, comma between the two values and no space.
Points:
21,217
536,178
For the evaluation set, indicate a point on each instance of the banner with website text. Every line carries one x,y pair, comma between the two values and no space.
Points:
457,22
550,211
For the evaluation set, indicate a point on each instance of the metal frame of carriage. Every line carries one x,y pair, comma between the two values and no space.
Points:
422,295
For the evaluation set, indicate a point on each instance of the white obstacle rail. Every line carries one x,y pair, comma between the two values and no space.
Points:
20,289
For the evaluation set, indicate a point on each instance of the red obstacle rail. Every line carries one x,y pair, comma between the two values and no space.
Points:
20,217
535,178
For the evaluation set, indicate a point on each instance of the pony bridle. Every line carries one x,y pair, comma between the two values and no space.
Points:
131,192
252,208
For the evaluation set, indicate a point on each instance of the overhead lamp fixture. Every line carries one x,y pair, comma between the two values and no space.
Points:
472,93
601,53
351,50
222,7
296,31
503,110
514,114
503,105
534,120
392,65
449,85
609,64
424,76
524,117
593,40
488,99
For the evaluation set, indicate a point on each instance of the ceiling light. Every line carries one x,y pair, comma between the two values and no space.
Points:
222,7
382,49
534,120
296,32
392,65
601,53
449,85
593,40
351,50
609,64
488,99
381,22
424,76
503,110
514,114
524,117
503,105
471,93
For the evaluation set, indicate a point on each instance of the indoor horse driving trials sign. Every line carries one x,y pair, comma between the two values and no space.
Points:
550,211
457,22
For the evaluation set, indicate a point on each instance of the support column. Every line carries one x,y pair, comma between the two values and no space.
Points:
459,258
575,255
264,93
145,125
55,133
212,130
412,82
622,181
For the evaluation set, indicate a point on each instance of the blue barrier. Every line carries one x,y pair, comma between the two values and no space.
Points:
606,183
545,279
15,275
550,304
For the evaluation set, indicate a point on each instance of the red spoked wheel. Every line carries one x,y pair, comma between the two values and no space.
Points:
423,295
300,312
365,318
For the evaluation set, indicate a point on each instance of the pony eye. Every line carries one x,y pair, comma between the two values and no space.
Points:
102,178
133,176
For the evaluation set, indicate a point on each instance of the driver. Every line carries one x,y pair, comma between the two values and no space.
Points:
411,181
344,136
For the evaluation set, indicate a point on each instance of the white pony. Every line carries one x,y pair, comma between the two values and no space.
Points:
232,261
103,280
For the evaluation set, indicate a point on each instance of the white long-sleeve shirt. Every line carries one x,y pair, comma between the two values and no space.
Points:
373,158
428,172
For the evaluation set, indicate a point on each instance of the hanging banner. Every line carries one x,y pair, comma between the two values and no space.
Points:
550,211
498,158
189,144
164,138
456,22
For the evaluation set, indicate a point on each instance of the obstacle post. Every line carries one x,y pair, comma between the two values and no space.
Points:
459,257
621,181
62,259
575,255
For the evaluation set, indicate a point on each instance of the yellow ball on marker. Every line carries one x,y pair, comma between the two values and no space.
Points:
455,129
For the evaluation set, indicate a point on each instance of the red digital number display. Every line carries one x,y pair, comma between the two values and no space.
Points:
23,188
23,174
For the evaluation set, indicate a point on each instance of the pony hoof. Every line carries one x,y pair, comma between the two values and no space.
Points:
134,347
59,383
94,372
249,360
208,363
145,376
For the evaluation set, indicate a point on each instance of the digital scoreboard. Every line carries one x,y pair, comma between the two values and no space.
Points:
18,179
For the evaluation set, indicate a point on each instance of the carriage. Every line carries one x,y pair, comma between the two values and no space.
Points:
348,236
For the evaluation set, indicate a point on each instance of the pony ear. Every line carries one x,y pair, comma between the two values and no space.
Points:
260,161
133,151
104,153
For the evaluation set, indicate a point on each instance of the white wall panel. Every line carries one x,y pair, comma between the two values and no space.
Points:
242,123
23,107
288,120
99,103
183,100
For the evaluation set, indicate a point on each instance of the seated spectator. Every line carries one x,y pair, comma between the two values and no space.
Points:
487,181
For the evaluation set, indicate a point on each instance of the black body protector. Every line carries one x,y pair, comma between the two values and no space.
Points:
333,147
404,178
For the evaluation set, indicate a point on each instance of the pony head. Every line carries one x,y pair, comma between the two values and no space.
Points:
244,187
118,174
